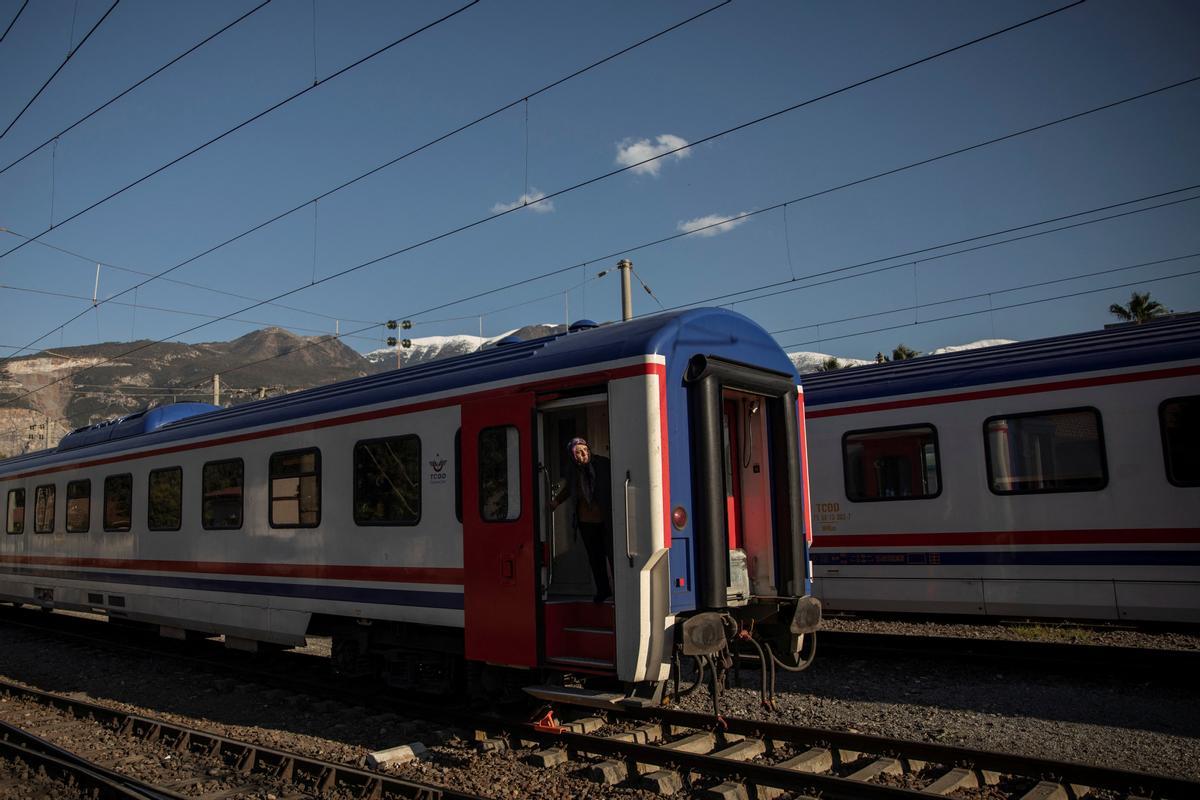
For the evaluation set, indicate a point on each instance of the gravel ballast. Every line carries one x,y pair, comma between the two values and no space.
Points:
1137,725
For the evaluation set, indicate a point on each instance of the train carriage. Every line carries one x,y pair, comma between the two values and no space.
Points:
406,514
1057,478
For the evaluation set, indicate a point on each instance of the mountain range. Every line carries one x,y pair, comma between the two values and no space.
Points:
46,395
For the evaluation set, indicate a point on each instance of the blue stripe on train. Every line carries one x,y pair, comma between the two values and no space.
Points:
1019,558
354,594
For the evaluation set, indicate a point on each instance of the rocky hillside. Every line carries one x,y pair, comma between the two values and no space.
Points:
48,394
75,386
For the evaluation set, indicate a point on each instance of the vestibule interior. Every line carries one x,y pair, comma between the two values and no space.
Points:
560,421
748,498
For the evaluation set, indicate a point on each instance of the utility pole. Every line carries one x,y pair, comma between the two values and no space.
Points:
626,267
216,389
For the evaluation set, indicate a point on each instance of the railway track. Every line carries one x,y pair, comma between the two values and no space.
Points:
239,766
1133,662
667,750
53,763
754,758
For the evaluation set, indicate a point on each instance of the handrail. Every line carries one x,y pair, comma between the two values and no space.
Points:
630,552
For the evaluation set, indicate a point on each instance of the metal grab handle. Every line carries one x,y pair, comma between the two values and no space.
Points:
630,552
550,496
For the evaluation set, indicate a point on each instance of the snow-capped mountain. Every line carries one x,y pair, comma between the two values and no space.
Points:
428,348
812,362
954,348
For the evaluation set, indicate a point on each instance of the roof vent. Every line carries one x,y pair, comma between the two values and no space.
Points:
506,341
582,325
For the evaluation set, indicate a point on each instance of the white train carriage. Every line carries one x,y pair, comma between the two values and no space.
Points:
1056,478
406,514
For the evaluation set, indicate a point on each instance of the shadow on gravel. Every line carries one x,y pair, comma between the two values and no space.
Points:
164,686
903,696
896,692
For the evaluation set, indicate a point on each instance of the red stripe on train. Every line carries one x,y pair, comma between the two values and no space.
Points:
983,394
432,575
1136,536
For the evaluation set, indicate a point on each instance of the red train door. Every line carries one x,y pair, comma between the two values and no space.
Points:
499,537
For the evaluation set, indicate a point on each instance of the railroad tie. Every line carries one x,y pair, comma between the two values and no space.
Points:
813,761
585,725
726,791
740,750
550,757
612,771
880,766
1049,790
962,778
666,782
744,750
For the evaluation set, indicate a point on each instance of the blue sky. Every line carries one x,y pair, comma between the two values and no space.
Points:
739,62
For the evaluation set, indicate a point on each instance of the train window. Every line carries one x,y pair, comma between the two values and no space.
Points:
1046,451
118,502
891,464
1179,419
43,509
387,481
79,506
16,511
499,474
221,495
296,489
164,499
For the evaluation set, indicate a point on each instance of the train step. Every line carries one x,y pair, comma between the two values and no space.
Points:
575,696
598,664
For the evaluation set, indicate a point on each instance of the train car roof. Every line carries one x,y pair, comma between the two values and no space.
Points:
707,330
1120,347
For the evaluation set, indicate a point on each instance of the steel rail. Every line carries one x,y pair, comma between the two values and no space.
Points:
828,787
946,755
19,744
248,757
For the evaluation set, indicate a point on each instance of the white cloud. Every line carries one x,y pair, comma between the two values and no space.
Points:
634,151
715,220
530,199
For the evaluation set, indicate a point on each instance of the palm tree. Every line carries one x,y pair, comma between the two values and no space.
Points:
1139,309
903,353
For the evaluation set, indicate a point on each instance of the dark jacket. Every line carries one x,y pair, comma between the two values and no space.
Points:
601,491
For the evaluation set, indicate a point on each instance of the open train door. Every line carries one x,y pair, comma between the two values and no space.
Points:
499,536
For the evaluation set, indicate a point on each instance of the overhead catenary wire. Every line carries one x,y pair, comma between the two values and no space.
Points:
802,198
998,308
188,284
980,295
140,82
608,174
934,248
13,21
54,74
178,311
321,340
280,104
839,269
376,169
